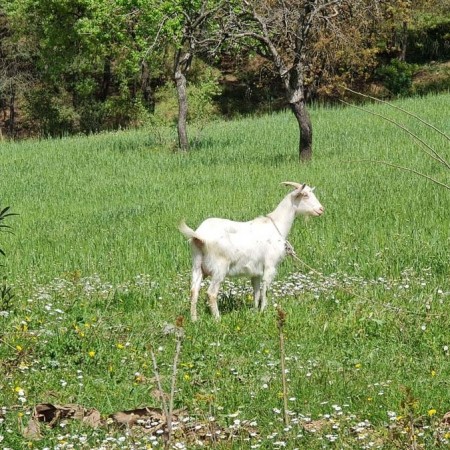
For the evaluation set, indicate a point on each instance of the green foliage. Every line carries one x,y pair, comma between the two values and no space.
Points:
397,76
4,213
51,115
90,67
202,91
71,66
202,95
6,293
429,38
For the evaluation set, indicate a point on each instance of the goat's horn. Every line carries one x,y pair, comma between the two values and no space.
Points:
296,185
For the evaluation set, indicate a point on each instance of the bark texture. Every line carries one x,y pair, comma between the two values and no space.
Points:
306,135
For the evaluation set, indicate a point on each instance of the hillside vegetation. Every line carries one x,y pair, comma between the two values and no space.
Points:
98,269
83,66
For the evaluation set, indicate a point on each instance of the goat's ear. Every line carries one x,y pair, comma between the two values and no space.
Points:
293,184
299,191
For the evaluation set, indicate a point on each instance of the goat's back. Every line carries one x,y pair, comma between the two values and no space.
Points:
253,235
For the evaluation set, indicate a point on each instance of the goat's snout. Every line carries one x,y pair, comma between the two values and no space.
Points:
320,210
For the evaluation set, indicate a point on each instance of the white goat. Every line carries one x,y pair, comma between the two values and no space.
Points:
222,247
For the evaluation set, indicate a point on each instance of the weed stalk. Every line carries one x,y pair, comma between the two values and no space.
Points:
281,322
158,380
179,334
168,409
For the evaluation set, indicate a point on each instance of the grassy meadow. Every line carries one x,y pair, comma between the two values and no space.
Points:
98,269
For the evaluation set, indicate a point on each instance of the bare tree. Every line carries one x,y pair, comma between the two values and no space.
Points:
191,28
286,33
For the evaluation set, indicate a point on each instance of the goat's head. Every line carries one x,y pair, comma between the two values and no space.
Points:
304,200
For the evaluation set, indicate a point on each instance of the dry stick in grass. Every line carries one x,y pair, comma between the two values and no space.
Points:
281,322
179,334
400,109
168,410
434,154
407,169
158,381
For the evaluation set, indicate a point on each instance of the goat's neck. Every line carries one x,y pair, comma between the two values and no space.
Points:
283,216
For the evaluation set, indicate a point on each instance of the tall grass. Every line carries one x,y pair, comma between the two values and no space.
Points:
110,204
98,266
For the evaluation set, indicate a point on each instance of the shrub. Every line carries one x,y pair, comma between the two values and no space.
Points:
397,76
4,213
201,93
51,114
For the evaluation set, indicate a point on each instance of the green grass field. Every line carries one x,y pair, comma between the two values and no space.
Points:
98,268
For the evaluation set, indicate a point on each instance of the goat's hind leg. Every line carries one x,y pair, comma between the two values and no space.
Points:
197,276
213,292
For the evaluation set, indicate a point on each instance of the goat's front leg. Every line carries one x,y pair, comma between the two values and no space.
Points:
268,276
256,283
213,291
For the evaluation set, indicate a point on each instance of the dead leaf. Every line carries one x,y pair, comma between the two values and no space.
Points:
315,425
92,418
446,419
45,412
130,418
33,430
52,414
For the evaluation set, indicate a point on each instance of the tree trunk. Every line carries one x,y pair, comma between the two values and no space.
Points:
180,81
305,127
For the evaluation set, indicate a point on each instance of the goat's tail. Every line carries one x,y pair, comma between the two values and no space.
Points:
189,233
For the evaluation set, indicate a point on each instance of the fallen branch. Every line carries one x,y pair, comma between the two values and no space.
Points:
400,109
434,154
396,166
281,322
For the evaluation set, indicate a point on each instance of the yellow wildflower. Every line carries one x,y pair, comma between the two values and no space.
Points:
431,412
91,353
139,378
